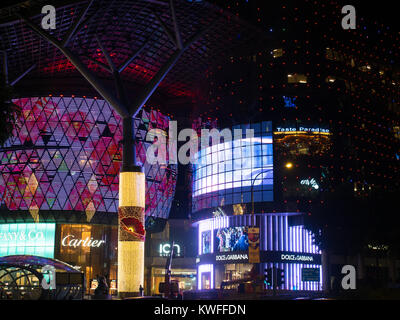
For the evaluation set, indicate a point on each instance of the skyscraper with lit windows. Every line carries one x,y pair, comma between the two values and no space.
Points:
333,98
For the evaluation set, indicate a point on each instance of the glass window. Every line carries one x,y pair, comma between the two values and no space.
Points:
297,78
276,53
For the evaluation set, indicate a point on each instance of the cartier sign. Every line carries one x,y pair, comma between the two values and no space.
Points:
71,241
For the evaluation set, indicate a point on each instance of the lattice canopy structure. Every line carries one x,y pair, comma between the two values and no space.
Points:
65,155
126,28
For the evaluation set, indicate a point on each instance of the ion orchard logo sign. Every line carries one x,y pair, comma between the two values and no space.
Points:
165,249
21,236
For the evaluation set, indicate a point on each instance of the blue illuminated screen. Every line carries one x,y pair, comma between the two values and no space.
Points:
223,173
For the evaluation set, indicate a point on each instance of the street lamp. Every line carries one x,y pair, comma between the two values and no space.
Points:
252,193
289,165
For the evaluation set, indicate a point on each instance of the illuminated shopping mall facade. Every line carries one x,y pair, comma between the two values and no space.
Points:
59,182
307,89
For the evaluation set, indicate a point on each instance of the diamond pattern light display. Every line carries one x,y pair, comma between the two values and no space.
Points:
66,154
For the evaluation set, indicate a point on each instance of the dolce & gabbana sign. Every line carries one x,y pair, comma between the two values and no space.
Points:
291,257
265,256
297,257
232,257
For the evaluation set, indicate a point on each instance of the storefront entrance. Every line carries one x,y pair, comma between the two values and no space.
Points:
90,248
231,272
185,277
206,280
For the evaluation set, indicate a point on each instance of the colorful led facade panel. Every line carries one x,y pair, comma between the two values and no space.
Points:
66,154
224,173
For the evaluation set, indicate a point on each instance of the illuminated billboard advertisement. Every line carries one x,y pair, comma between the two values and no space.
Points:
282,242
27,239
66,153
223,173
232,239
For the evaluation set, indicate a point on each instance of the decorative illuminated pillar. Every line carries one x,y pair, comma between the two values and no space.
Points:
131,218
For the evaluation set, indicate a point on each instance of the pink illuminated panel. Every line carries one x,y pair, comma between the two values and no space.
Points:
65,154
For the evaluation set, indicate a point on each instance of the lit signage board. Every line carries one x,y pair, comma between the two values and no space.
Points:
223,258
297,258
71,241
265,256
27,239
229,257
310,182
301,129
164,250
290,257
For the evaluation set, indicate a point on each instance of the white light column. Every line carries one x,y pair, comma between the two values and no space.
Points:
131,233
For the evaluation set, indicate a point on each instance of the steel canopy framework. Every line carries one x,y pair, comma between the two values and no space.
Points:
118,98
128,29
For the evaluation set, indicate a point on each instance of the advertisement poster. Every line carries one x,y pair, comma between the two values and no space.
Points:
254,245
231,239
